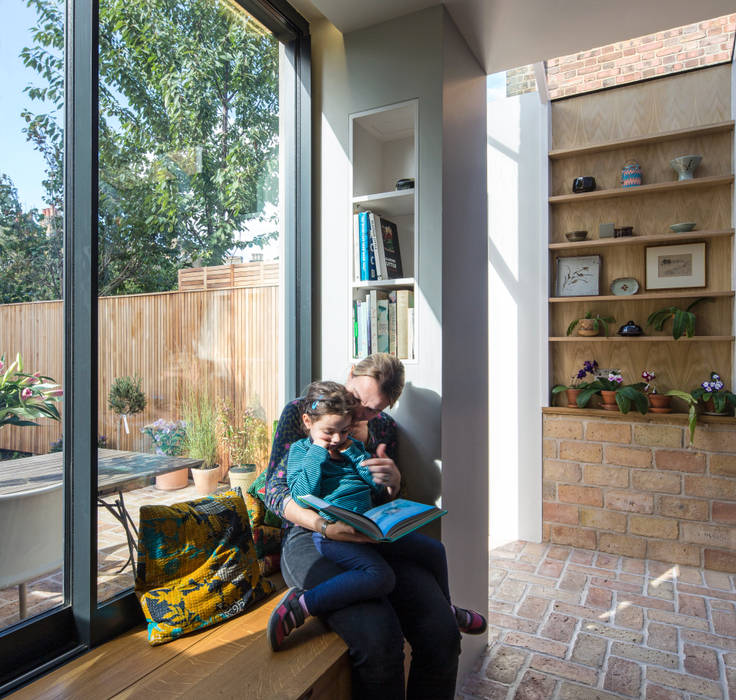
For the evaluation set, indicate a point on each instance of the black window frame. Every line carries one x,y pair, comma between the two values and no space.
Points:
43,642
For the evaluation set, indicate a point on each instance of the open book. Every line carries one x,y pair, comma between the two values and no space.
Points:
385,523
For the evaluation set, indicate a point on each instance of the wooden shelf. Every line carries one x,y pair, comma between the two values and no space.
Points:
719,128
396,203
634,415
644,240
371,284
644,296
697,182
643,339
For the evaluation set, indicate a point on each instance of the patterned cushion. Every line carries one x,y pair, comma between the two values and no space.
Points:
196,565
255,500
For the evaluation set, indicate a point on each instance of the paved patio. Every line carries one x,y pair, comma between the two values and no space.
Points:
45,593
573,624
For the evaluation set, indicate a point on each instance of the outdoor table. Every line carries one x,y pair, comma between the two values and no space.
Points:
117,471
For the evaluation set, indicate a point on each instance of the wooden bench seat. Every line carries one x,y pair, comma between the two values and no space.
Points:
231,660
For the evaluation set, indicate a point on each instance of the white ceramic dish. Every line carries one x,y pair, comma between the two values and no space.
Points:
624,286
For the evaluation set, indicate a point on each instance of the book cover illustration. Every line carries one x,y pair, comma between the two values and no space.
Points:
391,251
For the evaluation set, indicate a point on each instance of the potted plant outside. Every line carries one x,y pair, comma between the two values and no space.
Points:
202,439
717,400
26,397
590,325
168,439
683,320
575,389
247,443
658,403
126,399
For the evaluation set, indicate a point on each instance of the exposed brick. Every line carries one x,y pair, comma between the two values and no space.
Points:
560,513
572,691
623,677
712,535
565,669
581,452
684,682
599,598
719,560
572,581
610,632
549,490
605,475
551,568
709,487
657,692
478,687
724,512
608,432
627,456
631,616
549,449
662,637
505,664
586,495
557,552
559,627
679,507
570,429
716,579
573,536
533,608
544,646
589,650
707,438
535,686
630,501
603,519
638,652
662,482
622,545
665,528
674,552
512,623
692,605
658,435
680,461
681,621
701,661
561,471
723,465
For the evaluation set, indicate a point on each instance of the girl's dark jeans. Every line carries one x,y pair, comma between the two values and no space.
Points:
374,629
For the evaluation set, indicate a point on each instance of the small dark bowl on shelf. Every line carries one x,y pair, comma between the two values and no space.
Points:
631,329
576,236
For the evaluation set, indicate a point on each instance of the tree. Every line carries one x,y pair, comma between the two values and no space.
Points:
30,254
188,132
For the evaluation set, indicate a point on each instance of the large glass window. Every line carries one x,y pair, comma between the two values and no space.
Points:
31,309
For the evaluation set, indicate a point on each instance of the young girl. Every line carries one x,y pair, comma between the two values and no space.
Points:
328,464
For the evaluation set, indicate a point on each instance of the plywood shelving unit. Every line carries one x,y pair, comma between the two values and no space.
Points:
651,123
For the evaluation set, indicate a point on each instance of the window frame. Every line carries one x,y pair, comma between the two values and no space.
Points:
41,643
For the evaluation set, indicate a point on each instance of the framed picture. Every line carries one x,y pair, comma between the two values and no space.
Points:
675,266
578,276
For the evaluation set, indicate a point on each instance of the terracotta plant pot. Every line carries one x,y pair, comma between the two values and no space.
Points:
242,475
710,409
609,400
572,396
659,403
173,480
206,480
586,327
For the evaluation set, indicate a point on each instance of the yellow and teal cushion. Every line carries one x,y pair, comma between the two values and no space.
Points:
197,565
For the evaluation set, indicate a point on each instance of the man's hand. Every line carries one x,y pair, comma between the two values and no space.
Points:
345,533
384,471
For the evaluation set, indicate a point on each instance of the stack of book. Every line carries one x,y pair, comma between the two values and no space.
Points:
376,248
384,322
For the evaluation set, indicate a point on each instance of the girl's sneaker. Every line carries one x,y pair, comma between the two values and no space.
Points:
470,621
285,618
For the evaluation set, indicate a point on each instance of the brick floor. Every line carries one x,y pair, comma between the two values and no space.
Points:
573,624
45,593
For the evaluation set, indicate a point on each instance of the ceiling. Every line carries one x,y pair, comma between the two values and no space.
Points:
508,33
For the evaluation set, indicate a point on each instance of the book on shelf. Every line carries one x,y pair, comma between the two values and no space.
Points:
410,333
384,322
356,248
392,322
386,523
377,242
365,263
356,344
390,249
404,302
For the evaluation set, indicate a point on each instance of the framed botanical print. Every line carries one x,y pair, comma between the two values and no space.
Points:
676,266
578,276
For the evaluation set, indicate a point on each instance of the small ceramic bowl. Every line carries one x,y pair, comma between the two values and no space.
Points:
683,227
576,236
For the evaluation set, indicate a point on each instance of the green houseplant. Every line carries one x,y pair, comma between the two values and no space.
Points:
618,396
590,324
683,320
202,439
692,415
715,397
26,397
577,395
126,398
247,444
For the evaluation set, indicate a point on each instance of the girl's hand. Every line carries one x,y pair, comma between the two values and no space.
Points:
321,443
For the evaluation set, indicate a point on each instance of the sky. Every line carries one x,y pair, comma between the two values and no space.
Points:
18,158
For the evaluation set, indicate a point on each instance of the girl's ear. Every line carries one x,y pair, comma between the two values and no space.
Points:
307,421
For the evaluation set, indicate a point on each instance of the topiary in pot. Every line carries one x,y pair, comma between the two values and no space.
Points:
126,398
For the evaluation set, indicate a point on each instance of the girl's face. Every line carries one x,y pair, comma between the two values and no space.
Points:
330,429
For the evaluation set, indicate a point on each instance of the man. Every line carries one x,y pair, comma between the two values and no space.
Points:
373,630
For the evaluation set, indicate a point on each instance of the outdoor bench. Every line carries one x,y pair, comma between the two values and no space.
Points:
230,660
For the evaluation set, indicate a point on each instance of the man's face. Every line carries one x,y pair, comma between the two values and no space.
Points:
366,390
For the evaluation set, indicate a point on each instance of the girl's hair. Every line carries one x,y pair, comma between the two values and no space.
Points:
327,399
387,370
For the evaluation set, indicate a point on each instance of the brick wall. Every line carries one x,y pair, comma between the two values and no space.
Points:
671,51
631,487
520,80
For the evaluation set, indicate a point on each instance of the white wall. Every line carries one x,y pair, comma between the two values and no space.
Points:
517,306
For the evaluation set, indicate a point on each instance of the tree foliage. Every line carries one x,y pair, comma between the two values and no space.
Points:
188,132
